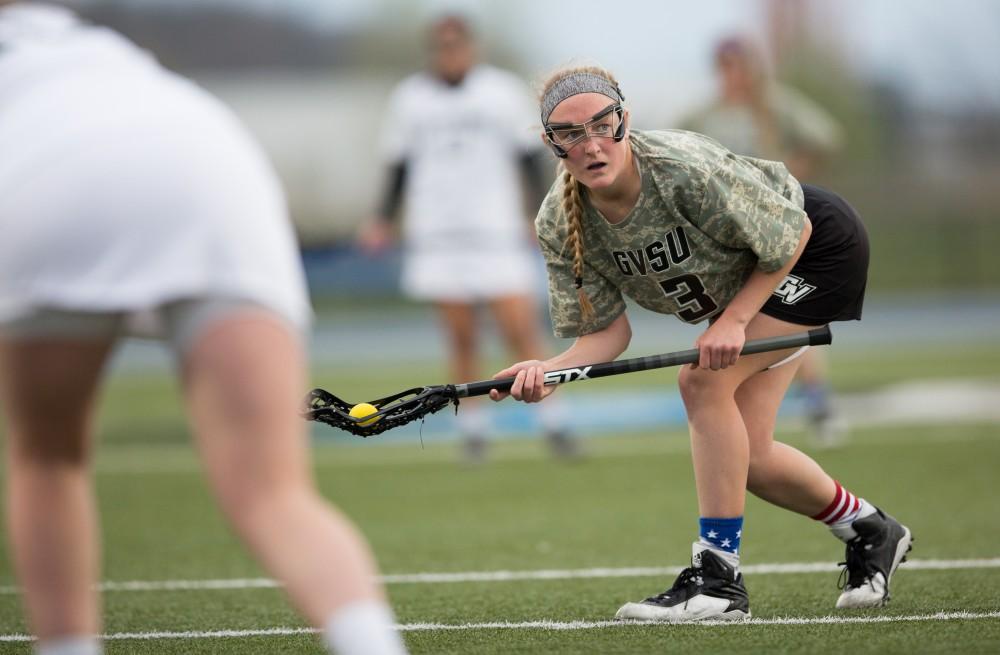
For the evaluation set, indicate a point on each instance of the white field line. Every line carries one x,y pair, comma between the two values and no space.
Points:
543,625
511,576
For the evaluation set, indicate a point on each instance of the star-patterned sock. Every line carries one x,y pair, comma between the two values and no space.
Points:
721,534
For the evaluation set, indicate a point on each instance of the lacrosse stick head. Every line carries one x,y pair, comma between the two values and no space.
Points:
393,411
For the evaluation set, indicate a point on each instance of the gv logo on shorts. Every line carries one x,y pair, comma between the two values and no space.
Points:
793,289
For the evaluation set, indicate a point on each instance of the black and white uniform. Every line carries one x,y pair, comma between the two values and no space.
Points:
124,187
465,233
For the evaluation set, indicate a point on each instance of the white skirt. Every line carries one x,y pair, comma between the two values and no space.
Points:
149,196
470,276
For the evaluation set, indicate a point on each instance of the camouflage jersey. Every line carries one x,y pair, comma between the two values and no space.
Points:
705,218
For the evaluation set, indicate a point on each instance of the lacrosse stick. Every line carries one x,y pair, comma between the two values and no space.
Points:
412,404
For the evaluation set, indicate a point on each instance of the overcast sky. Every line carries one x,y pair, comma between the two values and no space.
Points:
937,51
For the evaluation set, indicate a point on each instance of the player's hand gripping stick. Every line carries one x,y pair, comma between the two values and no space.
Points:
412,404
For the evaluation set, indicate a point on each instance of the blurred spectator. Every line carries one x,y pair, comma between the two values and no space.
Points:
460,146
127,191
755,115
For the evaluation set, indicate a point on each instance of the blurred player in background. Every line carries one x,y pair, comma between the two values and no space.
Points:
755,115
126,190
467,243
683,226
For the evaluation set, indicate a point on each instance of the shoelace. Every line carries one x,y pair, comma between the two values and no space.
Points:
857,569
689,577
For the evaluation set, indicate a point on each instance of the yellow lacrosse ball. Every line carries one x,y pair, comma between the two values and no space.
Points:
362,410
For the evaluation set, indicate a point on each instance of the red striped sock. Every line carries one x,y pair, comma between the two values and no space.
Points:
844,505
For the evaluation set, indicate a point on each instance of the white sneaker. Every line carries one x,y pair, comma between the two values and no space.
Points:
710,589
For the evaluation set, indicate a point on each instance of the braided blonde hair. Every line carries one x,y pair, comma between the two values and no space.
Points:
572,205
572,200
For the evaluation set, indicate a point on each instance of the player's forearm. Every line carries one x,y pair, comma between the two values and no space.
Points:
533,169
602,346
392,196
760,285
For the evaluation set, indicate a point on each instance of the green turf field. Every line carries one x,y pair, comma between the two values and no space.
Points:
545,551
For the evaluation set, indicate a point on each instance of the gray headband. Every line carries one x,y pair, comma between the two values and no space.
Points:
576,84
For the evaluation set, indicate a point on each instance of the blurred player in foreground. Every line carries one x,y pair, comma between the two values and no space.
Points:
467,243
123,190
685,227
757,116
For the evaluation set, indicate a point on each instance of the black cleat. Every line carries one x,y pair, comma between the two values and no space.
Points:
708,590
872,558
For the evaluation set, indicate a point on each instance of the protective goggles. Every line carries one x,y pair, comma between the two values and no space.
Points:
606,124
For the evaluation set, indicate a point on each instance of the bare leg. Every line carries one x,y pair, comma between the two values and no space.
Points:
459,321
779,474
517,318
721,453
731,415
48,390
720,444
243,381
461,330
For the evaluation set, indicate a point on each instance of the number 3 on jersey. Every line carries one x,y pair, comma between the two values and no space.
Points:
689,293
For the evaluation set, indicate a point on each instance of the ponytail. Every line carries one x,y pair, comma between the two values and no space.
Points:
572,205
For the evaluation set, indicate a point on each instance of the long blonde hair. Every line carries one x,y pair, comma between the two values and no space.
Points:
572,200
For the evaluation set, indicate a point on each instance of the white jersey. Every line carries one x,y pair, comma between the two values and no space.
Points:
123,186
461,145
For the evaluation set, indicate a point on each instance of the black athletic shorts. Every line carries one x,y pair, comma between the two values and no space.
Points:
828,282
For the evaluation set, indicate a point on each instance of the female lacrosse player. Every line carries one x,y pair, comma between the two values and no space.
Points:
467,247
682,226
125,189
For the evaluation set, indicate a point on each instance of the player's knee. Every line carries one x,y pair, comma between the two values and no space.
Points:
52,443
700,387
251,504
